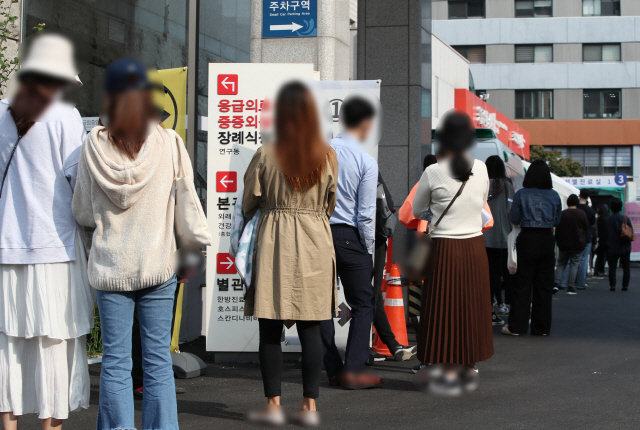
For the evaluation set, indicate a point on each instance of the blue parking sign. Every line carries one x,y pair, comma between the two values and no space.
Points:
289,18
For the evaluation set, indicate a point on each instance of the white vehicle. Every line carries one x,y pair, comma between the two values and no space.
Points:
487,145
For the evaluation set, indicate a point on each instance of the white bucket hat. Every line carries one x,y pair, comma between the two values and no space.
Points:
52,55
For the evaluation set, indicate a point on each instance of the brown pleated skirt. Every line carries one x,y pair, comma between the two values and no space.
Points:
455,317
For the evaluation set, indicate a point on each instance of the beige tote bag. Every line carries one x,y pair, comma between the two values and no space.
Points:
191,228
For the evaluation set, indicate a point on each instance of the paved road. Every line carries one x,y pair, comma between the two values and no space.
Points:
584,376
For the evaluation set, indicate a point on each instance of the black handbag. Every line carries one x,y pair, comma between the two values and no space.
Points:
417,263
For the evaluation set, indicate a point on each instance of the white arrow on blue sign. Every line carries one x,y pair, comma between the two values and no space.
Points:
289,18
293,27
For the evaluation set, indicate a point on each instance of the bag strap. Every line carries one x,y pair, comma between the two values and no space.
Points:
173,162
447,209
13,151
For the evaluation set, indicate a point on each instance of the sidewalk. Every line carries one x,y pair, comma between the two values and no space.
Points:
584,376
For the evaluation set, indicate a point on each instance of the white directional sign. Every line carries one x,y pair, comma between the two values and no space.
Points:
235,105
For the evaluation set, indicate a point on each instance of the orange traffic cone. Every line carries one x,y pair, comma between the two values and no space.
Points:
394,308
378,346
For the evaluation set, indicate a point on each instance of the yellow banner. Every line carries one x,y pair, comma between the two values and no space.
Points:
175,100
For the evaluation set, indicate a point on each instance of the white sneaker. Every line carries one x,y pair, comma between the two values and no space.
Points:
265,417
404,353
306,419
503,310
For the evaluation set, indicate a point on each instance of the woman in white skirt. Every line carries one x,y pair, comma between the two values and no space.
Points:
46,309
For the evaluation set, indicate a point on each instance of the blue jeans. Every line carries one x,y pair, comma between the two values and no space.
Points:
155,312
581,280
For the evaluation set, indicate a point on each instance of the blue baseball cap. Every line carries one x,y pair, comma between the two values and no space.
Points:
125,74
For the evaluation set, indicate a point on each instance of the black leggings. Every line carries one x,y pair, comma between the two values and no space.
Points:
271,356
499,272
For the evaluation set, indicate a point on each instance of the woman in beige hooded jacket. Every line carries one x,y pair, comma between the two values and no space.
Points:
125,191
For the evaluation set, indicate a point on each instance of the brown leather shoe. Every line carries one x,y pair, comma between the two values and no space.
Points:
359,381
334,381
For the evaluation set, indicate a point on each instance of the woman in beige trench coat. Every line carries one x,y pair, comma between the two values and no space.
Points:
294,279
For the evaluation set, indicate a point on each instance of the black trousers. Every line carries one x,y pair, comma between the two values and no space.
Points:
271,356
355,268
613,266
601,259
499,274
380,320
534,286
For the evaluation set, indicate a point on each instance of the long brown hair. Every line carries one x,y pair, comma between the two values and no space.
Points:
300,148
129,114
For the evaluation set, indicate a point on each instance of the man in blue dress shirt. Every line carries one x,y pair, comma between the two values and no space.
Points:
353,229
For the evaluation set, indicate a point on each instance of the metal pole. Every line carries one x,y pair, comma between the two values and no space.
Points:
192,81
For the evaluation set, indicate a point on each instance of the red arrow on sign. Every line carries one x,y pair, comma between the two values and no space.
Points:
226,182
227,84
225,264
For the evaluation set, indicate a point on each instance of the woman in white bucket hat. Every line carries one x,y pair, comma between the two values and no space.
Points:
46,309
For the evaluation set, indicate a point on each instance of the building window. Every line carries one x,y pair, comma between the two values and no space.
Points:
463,9
532,104
601,7
599,160
601,52
602,104
533,8
475,54
534,53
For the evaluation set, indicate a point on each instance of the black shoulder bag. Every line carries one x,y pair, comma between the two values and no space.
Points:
420,255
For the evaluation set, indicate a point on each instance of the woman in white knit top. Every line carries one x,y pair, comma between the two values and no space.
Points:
125,190
454,320
436,189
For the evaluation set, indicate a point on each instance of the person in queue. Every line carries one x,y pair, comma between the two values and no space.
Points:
454,324
537,209
495,239
46,310
601,244
294,183
581,281
415,225
619,249
571,238
380,320
353,230
125,191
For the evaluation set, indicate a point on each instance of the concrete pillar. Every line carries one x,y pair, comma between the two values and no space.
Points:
394,45
328,51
